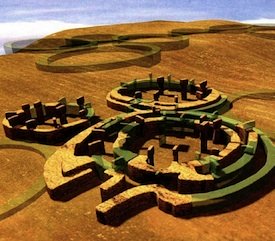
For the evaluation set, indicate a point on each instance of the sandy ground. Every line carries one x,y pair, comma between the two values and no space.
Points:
232,63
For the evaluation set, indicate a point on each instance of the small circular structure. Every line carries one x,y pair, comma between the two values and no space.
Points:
185,93
202,184
49,123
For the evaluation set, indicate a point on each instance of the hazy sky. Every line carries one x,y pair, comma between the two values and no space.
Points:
36,18
102,12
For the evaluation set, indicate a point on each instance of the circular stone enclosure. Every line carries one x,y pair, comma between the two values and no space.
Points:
131,96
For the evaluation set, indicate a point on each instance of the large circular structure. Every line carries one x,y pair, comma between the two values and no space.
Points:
181,188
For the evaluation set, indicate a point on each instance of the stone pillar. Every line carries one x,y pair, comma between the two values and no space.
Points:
217,131
27,109
82,113
203,118
96,148
176,99
22,117
201,89
80,101
183,85
192,87
31,124
138,95
139,119
61,114
197,155
9,114
169,79
150,154
150,76
199,95
160,81
99,133
62,101
176,153
55,122
39,112
156,96
13,120
162,140
203,85
203,135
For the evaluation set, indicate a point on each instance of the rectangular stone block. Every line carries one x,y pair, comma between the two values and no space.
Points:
139,119
39,112
26,109
160,81
243,133
138,95
156,96
203,84
162,140
203,118
80,100
96,148
31,124
204,128
10,114
199,95
217,123
248,125
82,113
62,101
50,109
55,124
22,116
60,110
14,120
184,85
61,113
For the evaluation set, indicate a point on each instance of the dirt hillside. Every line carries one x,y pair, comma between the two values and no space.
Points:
232,63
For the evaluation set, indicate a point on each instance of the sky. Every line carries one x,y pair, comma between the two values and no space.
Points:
23,19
